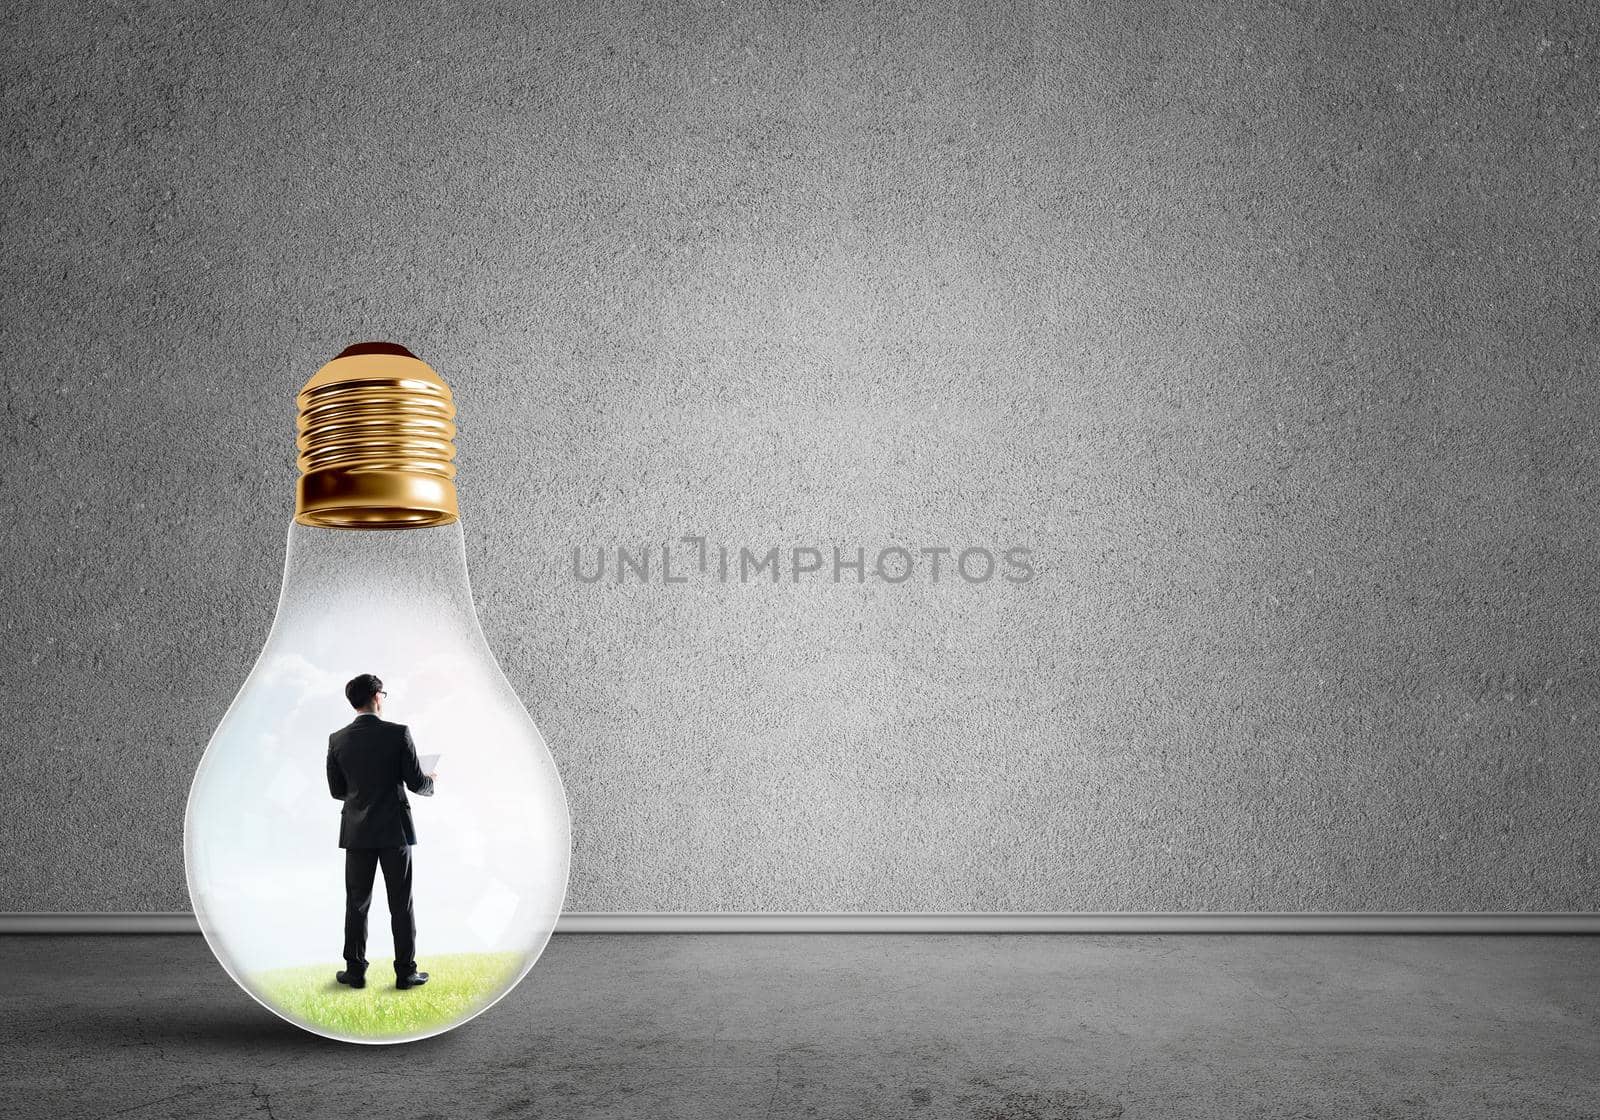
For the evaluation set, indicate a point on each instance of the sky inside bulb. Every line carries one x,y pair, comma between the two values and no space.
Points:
266,874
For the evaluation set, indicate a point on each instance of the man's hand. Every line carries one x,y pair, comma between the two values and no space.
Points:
433,775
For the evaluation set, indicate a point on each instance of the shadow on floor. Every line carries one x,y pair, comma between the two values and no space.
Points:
189,1028
230,1030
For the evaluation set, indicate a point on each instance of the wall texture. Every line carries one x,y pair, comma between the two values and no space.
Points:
1269,328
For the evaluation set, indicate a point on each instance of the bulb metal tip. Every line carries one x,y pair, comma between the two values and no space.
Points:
374,348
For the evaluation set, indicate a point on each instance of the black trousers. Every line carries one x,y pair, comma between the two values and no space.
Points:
360,866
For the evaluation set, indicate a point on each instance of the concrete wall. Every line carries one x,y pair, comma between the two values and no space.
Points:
1269,329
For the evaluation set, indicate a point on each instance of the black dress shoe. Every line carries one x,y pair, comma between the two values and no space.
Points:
415,980
354,979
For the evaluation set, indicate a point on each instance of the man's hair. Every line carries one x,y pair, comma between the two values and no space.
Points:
362,689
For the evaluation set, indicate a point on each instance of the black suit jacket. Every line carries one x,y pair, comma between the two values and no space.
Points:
371,764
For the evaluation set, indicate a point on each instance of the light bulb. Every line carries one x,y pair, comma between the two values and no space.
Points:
375,581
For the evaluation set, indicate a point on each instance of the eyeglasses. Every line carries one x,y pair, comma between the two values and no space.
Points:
383,692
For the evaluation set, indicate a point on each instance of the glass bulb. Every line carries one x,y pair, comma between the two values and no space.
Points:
265,871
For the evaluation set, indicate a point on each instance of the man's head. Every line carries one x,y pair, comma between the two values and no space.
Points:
365,693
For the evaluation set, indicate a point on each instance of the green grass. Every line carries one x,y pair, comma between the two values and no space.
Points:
458,985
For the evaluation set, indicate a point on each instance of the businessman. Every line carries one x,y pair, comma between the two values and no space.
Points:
371,764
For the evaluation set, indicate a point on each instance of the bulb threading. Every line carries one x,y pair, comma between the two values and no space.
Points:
376,432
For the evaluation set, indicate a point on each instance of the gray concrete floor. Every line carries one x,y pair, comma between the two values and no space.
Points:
977,1027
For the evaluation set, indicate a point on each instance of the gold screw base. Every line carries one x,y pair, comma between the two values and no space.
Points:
376,426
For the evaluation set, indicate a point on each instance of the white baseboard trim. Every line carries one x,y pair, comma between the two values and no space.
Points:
1379,922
